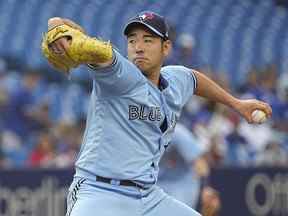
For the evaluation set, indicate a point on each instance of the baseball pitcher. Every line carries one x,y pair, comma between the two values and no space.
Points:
134,106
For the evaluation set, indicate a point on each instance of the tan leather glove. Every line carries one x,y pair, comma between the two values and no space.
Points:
81,48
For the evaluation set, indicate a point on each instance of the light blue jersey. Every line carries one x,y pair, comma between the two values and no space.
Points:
130,121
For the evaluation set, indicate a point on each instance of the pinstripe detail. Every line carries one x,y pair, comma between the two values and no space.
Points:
194,80
72,196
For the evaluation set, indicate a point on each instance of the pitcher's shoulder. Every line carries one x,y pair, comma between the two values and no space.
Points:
176,71
170,69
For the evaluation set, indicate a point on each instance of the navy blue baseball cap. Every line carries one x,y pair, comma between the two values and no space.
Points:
153,21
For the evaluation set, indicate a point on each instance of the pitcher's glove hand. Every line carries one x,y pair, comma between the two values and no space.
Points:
74,46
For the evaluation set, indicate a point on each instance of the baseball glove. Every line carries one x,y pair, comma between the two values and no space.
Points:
82,49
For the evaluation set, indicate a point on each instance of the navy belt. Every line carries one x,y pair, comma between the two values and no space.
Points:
119,182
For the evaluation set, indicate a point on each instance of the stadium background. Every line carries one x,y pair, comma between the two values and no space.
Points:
242,44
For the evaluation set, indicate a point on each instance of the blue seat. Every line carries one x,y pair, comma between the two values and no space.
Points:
224,27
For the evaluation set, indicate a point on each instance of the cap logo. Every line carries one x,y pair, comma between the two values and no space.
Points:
146,16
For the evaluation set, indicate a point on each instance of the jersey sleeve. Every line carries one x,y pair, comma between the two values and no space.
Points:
183,79
118,78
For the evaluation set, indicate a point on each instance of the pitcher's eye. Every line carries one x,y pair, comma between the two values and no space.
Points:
131,41
148,40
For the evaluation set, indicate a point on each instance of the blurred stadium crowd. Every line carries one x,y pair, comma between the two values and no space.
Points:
43,114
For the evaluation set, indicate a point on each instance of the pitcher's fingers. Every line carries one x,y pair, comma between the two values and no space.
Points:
53,48
59,48
63,43
266,108
54,22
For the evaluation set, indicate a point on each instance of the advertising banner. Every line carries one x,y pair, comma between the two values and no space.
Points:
254,191
34,192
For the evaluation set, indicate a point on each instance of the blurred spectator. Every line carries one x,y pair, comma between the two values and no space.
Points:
251,87
272,155
44,153
257,136
238,151
185,50
282,3
215,155
13,150
268,82
66,103
68,139
3,159
3,91
281,119
22,105
183,54
221,121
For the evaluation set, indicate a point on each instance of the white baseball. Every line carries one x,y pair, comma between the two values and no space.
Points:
258,116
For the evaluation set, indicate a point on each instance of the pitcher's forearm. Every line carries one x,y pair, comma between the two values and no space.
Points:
209,89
